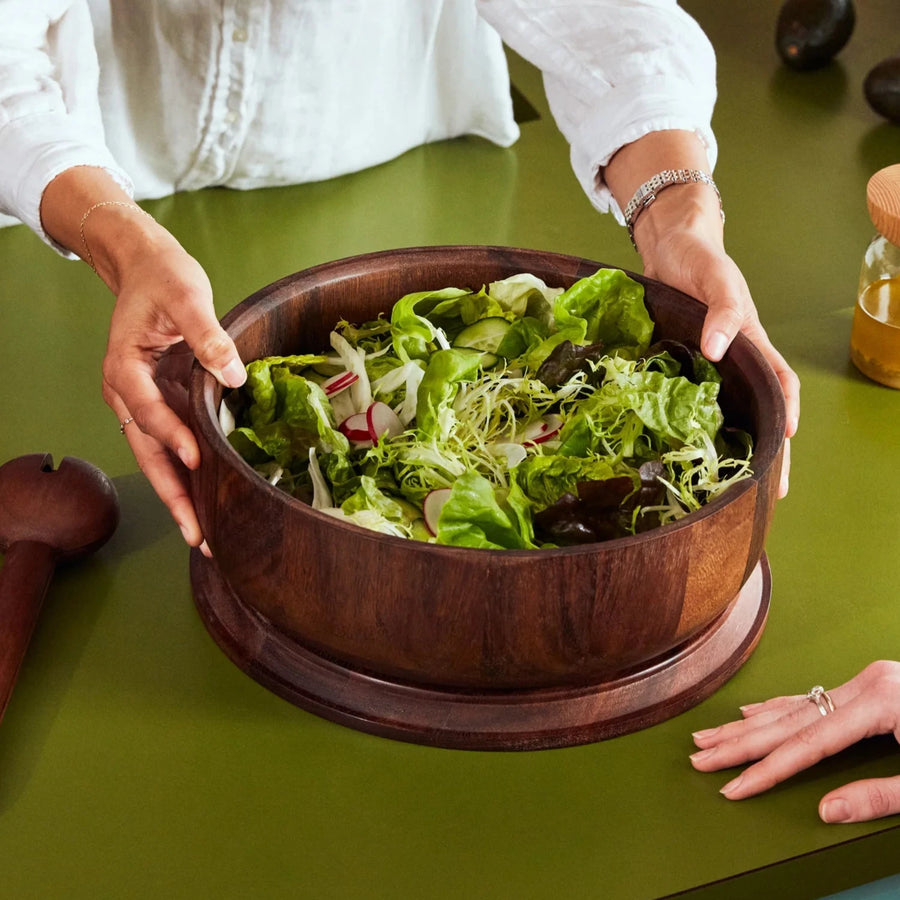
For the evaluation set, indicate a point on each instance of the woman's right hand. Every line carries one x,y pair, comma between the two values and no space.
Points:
163,297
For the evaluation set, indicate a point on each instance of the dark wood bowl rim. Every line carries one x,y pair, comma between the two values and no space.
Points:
205,394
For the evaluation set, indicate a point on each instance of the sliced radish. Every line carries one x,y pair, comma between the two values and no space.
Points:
431,508
356,428
546,435
382,420
542,430
339,382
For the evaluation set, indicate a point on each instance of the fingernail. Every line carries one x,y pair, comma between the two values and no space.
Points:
204,549
702,754
749,707
183,455
708,732
833,811
717,345
784,486
732,786
234,374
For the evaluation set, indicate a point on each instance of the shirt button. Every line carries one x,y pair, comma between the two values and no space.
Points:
239,35
231,117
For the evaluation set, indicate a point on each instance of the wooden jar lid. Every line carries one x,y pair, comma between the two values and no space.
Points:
883,200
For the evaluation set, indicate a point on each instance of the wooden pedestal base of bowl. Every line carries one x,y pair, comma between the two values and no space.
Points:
483,720
375,625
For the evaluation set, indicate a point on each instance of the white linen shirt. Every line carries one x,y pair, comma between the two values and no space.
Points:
171,95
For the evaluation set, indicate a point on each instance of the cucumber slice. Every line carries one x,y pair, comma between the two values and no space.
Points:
485,334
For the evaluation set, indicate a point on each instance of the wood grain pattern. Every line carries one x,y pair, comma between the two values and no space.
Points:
473,619
883,201
47,516
466,719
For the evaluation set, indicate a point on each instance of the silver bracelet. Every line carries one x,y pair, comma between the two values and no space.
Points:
650,190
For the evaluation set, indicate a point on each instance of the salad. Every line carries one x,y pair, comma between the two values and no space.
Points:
515,416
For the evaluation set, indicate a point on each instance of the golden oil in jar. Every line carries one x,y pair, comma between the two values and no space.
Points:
875,337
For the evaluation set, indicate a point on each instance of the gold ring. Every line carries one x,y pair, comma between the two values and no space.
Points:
123,423
819,696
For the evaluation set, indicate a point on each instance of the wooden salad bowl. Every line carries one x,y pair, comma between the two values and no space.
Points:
360,626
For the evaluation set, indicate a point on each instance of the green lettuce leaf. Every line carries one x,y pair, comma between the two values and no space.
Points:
524,295
479,306
473,517
413,333
606,307
260,387
544,479
523,336
368,496
637,412
434,405
288,416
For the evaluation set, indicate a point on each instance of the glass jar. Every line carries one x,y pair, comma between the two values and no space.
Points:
875,336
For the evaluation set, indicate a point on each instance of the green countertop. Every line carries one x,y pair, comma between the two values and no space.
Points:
137,761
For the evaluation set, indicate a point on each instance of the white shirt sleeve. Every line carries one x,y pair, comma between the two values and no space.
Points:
49,109
614,70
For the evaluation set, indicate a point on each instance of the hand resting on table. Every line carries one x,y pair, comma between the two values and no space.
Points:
786,735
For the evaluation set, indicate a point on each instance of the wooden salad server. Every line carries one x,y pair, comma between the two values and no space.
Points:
47,516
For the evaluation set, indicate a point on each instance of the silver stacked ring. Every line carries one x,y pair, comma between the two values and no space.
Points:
819,696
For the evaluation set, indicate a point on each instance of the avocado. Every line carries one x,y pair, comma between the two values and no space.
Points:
882,88
810,32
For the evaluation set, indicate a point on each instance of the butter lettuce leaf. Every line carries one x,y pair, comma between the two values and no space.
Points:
438,388
474,517
289,415
640,412
414,333
368,496
544,479
606,307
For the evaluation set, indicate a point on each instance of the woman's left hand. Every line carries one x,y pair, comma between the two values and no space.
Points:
680,237
680,240
789,734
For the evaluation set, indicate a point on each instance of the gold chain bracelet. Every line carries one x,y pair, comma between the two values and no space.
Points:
84,218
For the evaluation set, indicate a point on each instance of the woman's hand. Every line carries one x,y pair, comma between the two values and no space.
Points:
680,238
789,734
163,297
